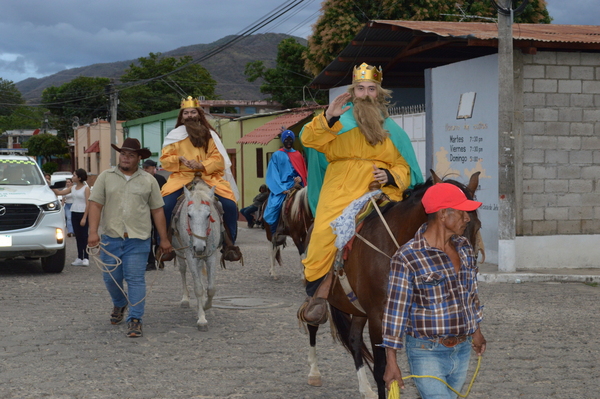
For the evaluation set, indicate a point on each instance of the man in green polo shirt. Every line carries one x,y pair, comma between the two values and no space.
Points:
123,198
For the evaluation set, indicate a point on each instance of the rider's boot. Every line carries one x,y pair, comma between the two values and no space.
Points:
230,251
161,257
314,309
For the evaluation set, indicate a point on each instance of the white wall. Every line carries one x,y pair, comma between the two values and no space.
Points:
459,146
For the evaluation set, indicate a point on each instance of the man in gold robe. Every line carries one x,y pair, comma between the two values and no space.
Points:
192,147
360,144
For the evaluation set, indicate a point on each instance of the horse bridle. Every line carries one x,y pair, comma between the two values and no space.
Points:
210,218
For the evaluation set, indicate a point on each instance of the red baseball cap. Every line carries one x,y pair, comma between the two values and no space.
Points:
446,195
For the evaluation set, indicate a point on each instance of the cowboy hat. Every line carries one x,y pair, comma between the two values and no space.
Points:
131,144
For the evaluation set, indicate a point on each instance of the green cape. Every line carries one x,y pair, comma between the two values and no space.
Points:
317,162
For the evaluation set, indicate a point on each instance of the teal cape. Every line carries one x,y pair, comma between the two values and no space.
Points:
317,162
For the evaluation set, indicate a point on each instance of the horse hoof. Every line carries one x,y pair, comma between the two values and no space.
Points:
185,304
203,327
315,381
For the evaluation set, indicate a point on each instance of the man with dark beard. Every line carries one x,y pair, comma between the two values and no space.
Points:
361,144
123,199
194,147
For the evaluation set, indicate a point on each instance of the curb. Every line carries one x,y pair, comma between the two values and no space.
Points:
536,278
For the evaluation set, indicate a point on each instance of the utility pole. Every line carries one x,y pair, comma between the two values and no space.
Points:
506,141
113,102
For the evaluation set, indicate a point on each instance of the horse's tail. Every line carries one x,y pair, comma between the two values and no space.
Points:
342,322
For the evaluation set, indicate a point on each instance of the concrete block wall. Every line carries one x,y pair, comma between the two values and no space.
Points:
560,144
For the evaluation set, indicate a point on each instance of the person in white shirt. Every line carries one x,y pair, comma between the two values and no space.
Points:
80,192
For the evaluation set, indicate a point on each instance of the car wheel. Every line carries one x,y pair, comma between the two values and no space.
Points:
54,263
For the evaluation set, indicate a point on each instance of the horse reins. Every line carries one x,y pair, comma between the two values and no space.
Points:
387,227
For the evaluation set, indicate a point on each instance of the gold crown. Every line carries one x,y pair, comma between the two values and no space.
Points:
366,72
189,102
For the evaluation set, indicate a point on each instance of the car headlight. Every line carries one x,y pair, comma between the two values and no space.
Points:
53,206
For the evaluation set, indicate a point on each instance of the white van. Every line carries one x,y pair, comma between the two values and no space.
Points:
32,220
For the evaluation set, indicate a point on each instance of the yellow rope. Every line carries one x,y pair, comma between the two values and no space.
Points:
394,391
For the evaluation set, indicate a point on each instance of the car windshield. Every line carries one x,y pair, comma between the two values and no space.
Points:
20,173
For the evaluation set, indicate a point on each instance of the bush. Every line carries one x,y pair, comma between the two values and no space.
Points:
50,167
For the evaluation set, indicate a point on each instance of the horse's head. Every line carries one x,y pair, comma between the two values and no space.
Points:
200,204
472,232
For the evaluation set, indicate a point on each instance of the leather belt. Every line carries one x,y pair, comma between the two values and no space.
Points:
125,235
450,342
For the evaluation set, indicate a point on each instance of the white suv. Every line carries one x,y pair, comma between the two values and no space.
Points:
32,221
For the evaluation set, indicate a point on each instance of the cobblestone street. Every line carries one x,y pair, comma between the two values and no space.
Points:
56,340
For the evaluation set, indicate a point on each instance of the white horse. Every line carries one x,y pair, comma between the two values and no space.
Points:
197,239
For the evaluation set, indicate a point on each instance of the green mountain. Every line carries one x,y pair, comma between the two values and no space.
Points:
226,67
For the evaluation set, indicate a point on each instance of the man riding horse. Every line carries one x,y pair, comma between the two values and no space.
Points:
193,146
286,170
357,142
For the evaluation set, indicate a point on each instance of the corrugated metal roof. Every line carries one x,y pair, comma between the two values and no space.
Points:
486,31
405,49
272,129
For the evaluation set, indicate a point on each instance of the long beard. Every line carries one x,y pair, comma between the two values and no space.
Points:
198,133
370,116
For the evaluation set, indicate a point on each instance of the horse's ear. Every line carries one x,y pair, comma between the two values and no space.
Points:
187,193
212,189
436,179
473,182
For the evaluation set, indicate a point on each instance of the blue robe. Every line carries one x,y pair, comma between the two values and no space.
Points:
280,177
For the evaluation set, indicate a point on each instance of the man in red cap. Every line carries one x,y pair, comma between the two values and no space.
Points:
433,298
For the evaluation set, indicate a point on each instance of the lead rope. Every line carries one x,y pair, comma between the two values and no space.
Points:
94,253
394,391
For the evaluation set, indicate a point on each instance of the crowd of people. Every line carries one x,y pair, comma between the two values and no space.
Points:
351,144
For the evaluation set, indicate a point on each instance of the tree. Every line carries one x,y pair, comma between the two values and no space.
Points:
286,82
164,94
46,145
341,20
23,117
82,97
10,97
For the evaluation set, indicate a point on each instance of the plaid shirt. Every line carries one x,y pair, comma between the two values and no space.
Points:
426,297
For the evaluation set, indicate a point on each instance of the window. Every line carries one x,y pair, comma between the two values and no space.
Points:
260,167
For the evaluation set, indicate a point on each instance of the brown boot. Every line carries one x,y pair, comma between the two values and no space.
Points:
314,309
161,257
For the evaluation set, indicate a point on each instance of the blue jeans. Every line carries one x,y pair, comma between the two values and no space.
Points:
248,213
133,253
68,216
432,358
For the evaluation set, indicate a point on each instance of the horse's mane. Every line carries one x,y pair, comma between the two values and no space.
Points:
415,194
300,205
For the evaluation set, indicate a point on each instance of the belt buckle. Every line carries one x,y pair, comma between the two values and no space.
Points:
449,342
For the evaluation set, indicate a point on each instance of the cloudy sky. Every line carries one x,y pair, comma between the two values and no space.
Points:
40,37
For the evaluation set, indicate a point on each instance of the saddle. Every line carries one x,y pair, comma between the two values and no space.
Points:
314,309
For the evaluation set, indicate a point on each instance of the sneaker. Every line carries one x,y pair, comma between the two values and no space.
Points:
86,262
134,328
117,314
77,262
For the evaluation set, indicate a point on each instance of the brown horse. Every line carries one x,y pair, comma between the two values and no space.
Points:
294,221
367,271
